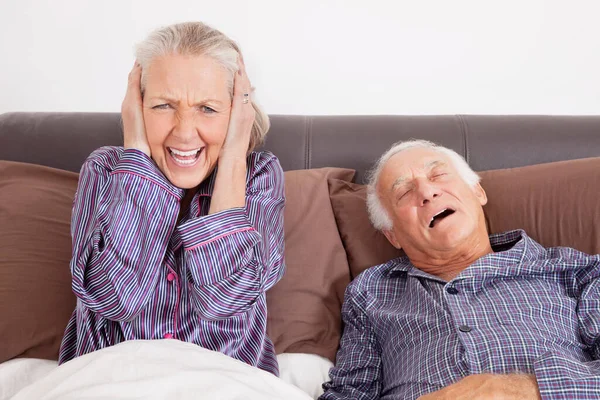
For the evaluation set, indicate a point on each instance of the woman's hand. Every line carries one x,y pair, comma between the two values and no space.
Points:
134,130
230,183
242,116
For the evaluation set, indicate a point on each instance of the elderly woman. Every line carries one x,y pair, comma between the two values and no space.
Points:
179,233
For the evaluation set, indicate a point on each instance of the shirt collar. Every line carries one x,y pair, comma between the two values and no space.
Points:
208,184
513,245
205,189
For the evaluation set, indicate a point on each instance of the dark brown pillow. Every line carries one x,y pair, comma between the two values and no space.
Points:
36,300
304,308
555,203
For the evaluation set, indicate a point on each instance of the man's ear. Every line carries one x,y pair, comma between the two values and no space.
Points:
480,193
391,237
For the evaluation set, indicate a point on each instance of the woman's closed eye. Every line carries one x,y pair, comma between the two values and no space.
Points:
165,106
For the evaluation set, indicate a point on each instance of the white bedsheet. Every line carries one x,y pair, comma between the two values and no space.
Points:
161,369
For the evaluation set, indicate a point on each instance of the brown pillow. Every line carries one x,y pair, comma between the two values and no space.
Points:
365,246
304,307
36,300
555,203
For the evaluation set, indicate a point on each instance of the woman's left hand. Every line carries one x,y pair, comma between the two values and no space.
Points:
230,183
242,115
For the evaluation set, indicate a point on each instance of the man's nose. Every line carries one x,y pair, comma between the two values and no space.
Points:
427,192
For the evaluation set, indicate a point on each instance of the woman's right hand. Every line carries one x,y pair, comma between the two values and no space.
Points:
134,130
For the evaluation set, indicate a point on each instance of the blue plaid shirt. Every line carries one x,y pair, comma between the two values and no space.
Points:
523,309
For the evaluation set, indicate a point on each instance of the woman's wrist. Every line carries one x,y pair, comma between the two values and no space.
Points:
138,146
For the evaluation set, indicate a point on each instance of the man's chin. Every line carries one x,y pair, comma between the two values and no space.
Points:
446,238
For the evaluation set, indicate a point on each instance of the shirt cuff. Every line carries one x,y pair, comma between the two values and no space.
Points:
224,239
136,162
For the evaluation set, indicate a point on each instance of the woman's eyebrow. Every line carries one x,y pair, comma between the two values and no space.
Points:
172,99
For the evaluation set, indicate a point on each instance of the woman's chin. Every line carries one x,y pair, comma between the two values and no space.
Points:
185,176
187,180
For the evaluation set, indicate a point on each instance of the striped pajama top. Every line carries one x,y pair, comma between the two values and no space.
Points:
139,273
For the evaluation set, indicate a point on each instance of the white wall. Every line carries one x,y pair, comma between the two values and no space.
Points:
321,57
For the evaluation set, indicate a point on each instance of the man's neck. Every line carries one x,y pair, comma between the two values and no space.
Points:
447,265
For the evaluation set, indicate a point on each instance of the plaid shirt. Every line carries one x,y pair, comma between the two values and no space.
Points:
523,309
140,273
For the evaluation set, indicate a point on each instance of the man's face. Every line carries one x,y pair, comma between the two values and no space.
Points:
432,208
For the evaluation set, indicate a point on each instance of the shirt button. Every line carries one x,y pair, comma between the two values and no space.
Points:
464,328
452,290
171,277
168,336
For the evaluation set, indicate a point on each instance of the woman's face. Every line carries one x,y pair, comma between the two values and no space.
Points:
186,112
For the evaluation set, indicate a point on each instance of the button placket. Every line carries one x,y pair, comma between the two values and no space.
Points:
172,279
451,290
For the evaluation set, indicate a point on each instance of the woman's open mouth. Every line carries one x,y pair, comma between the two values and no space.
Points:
185,158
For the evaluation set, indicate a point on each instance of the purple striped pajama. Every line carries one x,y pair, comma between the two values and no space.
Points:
138,273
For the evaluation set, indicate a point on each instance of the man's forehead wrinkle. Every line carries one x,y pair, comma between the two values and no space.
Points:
427,165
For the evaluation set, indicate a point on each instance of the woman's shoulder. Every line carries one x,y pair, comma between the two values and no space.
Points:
260,162
105,157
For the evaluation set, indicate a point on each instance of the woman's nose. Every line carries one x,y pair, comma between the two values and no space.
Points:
184,128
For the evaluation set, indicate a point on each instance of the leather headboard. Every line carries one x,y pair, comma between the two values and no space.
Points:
64,140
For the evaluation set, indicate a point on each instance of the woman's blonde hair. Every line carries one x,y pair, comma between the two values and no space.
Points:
195,39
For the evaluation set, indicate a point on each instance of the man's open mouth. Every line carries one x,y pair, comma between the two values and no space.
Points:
440,216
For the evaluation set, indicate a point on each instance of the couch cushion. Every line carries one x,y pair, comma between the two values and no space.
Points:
36,300
304,307
555,203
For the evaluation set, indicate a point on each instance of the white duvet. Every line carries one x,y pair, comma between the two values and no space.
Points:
158,369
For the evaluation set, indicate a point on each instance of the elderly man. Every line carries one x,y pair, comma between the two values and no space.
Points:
464,315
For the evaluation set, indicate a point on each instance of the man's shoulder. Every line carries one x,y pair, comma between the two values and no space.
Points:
371,277
584,267
578,264
571,253
538,251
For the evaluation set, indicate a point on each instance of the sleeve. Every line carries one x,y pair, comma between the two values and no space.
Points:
559,375
235,255
124,212
357,373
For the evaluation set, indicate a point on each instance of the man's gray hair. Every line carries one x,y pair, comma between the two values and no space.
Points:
196,39
377,212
